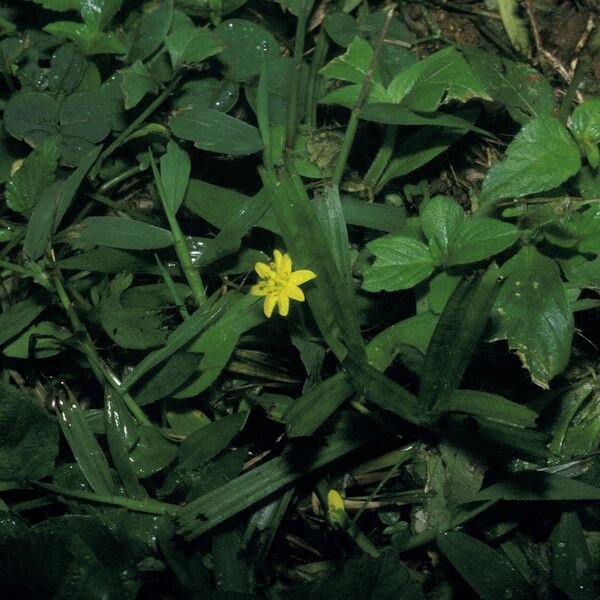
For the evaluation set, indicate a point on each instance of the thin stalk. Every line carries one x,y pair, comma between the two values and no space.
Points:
295,83
262,113
151,507
101,371
340,165
321,47
107,185
124,135
4,264
172,289
580,72
181,247
382,158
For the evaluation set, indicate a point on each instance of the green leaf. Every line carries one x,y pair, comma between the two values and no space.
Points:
400,263
16,317
571,564
523,90
541,157
208,92
152,453
67,67
515,25
97,14
456,336
438,79
585,125
118,232
214,131
205,443
341,28
52,206
29,437
150,30
265,480
121,436
136,82
175,175
538,485
532,312
59,5
84,116
188,46
37,173
490,406
42,340
362,578
441,217
135,327
171,375
31,117
245,43
83,444
353,65
499,579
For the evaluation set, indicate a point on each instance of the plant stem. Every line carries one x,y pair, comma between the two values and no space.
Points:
124,135
578,75
101,371
121,177
297,69
321,47
340,165
382,158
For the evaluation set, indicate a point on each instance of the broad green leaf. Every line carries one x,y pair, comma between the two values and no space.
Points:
341,28
42,340
480,238
523,90
585,125
441,218
571,563
538,485
97,14
400,263
214,131
136,82
31,117
438,79
111,260
353,65
83,116
418,149
188,46
204,444
67,67
52,206
29,438
152,453
59,5
456,336
541,156
150,30
122,437
170,376
36,174
209,92
174,174
185,333
532,312
118,232
84,446
135,327
245,43
499,579
15,318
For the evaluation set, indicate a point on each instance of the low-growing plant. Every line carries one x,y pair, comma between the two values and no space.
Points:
298,300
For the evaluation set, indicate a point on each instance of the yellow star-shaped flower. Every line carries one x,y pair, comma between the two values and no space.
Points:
278,283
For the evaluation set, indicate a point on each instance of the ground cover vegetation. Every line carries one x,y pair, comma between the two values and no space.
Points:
299,299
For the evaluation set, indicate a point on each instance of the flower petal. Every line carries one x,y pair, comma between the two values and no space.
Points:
264,270
286,266
259,289
293,292
270,302
283,303
301,276
277,260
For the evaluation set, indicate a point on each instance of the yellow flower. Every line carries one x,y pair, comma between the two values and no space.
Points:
278,283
